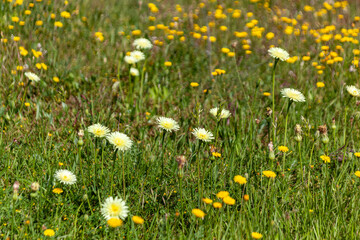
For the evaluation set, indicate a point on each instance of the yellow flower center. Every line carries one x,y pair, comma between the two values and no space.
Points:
119,142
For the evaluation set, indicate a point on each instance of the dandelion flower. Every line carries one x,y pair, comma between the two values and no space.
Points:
134,72
217,205
65,176
137,55
138,220
224,113
240,179
32,76
202,134
130,59
246,197
120,141
114,222
207,200
325,158
98,130
114,208
57,190
357,173
229,200
142,43
278,53
269,174
198,213
354,91
256,235
283,149
222,194
49,232
293,94
167,124
357,154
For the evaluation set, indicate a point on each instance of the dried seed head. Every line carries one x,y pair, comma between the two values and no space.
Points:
181,160
35,186
271,147
298,129
268,111
16,186
323,129
81,133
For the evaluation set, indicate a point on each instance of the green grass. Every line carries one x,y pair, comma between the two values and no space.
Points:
308,199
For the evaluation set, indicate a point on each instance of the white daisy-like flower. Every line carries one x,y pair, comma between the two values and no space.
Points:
138,55
202,134
293,94
65,176
32,76
134,72
142,43
120,141
167,124
279,53
354,91
114,208
130,59
98,130
224,113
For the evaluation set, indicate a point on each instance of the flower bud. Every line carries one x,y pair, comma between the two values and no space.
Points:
325,139
298,138
81,142
271,155
85,197
86,217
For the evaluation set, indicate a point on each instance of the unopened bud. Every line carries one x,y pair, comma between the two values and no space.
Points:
271,155
81,142
325,139
86,217
298,138
16,186
181,160
85,197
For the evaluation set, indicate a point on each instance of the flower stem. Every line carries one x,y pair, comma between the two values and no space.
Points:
273,100
112,175
286,121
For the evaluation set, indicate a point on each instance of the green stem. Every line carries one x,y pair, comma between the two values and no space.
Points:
273,100
199,179
286,121
301,166
113,171
123,173
23,98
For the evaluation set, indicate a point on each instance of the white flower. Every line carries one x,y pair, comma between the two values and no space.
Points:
98,130
134,72
142,43
65,176
224,113
130,60
120,141
167,124
202,134
32,76
138,55
114,208
279,53
293,94
354,91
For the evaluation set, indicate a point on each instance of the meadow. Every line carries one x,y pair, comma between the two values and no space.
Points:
212,119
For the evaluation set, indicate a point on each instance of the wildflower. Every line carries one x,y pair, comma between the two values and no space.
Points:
278,53
266,94
142,43
181,160
134,72
229,200
194,84
320,84
32,76
35,186
256,235
217,205
357,173
202,134
114,222
207,200
246,197
354,91
167,124
98,130
357,154
240,179
216,154
283,149
65,176
168,64
222,194
325,158
114,208
293,94
120,141
49,232
224,113
138,220
130,59
58,24
57,190
56,79
139,56
269,174
198,213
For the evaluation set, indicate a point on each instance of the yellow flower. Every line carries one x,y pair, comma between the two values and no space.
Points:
49,232
357,173
27,104
240,179
256,235
194,84
270,36
357,154
207,200
58,24
283,149
269,174
222,194
229,200
16,39
217,205
114,222
198,213
216,154
246,197
138,220
168,64
136,32
320,84
56,79
57,190
325,158
266,94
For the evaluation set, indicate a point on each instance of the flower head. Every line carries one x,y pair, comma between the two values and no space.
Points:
278,53
283,149
293,94
202,134
354,91
134,72
114,222
114,208
57,190
65,176
269,174
138,220
207,200
325,158
98,130
120,141
217,205
229,200
198,213
240,179
130,59
256,235
142,43
167,124
357,173
137,55
224,113
49,232
222,194
32,76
